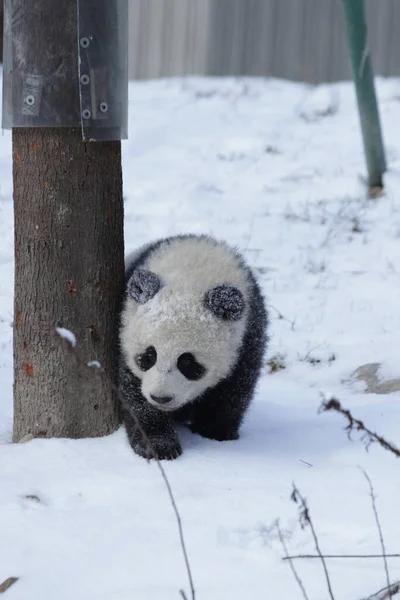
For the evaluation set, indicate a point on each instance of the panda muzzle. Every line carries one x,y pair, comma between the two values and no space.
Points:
161,399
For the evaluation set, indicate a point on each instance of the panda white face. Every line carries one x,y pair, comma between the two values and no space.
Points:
181,328
171,388
177,347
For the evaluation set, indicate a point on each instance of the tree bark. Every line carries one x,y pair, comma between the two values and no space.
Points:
69,270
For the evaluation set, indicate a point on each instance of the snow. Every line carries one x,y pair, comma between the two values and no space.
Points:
277,169
94,363
67,335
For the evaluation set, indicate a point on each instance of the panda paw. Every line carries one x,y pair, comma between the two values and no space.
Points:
158,447
212,432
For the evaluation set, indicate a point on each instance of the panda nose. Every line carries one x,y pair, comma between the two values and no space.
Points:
161,399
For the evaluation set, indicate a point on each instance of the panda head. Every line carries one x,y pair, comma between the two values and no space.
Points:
180,340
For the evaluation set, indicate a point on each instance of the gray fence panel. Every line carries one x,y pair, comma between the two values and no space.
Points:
168,37
295,39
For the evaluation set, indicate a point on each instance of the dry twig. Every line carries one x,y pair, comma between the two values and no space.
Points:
369,437
287,557
305,520
385,593
282,317
297,556
7,584
371,489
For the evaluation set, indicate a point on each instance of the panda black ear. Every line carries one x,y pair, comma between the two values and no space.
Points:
143,285
226,302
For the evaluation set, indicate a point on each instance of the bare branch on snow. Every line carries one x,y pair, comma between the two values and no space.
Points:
379,531
287,557
305,520
7,584
385,593
369,437
362,556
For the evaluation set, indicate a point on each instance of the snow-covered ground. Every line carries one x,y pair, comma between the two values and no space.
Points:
275,168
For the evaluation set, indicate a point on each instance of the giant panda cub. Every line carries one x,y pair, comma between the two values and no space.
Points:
192,341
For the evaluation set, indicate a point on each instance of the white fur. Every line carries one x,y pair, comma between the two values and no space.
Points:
176,321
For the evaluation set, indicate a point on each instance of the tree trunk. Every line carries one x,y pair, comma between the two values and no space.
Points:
69,270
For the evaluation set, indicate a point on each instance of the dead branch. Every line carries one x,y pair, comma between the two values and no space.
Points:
369,437
296,576
7,584
282,317
384,593
305,520
362,556
371,489
297,556
90,371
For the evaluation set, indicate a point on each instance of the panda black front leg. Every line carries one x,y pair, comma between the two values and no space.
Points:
219,416
215,431
156,434
163,445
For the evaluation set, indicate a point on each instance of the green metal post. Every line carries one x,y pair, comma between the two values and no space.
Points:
364,82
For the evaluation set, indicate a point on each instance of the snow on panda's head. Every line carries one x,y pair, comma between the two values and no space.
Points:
184,320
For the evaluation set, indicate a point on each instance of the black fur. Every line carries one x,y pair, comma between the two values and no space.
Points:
143,285
226,302
219,412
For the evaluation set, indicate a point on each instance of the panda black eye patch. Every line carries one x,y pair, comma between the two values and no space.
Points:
147,359
189,367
